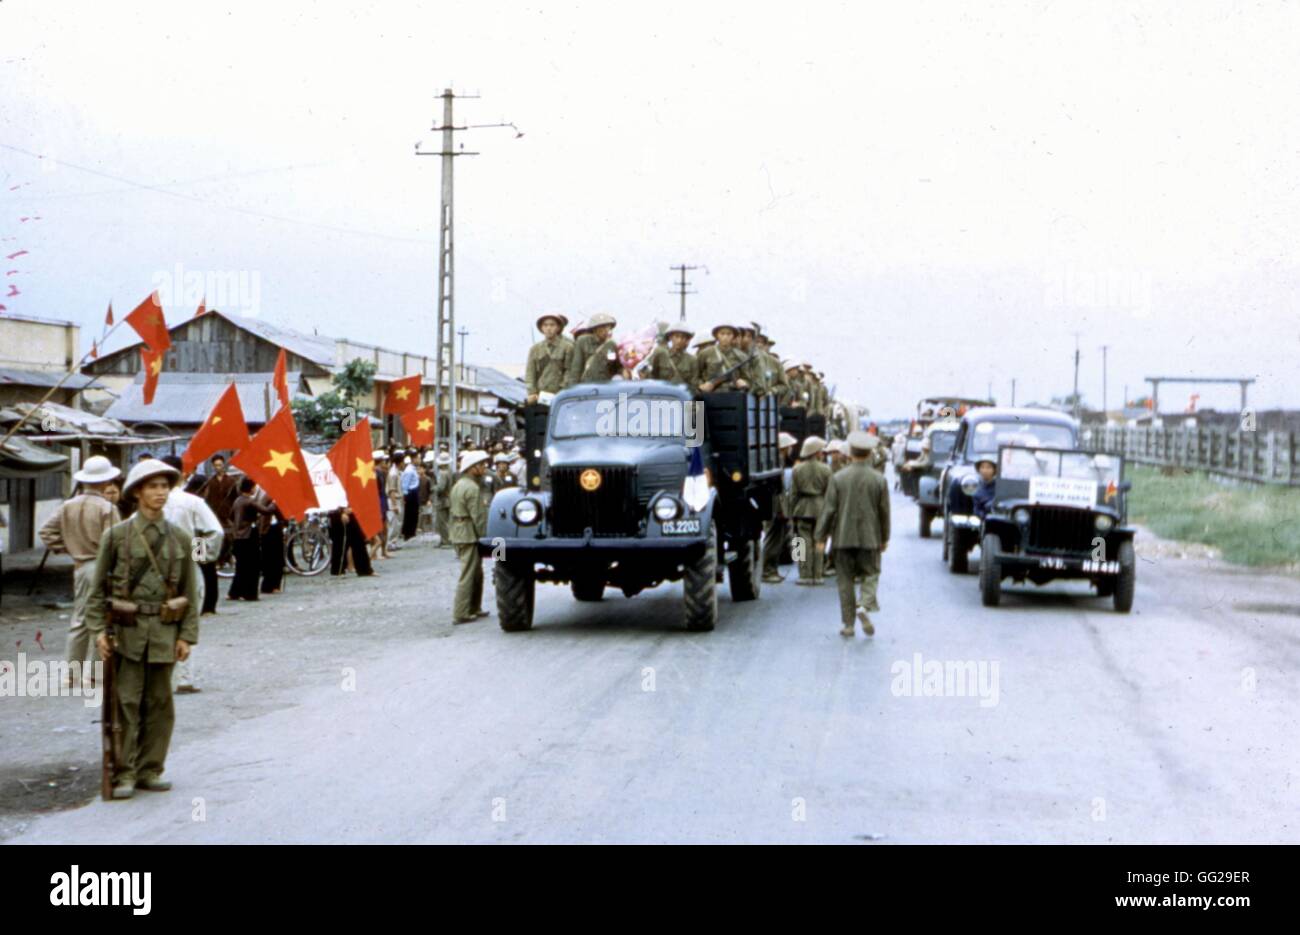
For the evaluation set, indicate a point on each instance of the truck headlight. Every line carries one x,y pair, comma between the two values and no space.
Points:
1021,515
527,512
970,484
1104,523
666,508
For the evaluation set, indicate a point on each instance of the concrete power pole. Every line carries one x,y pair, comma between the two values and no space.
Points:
681,287
1076,375
445,350
1104,349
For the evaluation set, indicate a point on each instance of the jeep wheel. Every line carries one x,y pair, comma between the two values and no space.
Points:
700,588
744,573
588,589
990,571
927,517
515,585
956,551
1126,582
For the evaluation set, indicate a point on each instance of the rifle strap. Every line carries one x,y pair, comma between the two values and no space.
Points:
167,582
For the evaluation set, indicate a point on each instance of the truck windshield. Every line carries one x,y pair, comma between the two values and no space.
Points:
987,437
625,416
941,443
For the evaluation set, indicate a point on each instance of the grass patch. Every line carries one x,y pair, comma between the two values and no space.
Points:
1251,524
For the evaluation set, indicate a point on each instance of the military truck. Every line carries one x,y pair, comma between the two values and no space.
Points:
635,483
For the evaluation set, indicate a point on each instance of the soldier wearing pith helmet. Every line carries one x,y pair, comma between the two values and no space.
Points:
807,491
855,518
468,525
549,359
599,360
144,614
674,362
720,368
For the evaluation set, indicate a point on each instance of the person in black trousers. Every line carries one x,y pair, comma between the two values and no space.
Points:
346,537
271,528
248,569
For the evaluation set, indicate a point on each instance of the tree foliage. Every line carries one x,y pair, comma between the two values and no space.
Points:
335,411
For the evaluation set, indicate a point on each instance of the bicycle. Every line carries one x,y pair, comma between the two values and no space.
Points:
307,545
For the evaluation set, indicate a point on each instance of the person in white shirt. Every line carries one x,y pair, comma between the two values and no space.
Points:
192,516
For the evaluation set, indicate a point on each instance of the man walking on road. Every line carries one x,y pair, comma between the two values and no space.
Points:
855,517
76,529
468,525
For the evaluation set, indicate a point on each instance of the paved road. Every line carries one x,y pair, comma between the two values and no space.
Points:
773,728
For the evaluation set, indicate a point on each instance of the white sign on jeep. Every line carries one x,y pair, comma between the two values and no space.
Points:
1063,491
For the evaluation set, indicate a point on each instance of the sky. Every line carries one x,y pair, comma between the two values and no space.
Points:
920,198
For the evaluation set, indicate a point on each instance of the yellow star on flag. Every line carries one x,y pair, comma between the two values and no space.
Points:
424,425
155,367
402,392
365,472
215,420
282,461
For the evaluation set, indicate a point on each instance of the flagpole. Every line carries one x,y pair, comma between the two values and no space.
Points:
64,379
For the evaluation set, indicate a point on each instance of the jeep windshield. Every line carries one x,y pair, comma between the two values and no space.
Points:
941,444
1026,463
987,437
626,416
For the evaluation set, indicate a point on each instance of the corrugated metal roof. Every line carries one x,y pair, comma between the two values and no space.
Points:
17,376
63,419
21,458
187,398
314,347
502,386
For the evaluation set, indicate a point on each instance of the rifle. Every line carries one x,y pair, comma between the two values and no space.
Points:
110,726
728,374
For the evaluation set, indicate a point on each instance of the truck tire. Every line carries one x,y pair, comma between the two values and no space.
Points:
927,517
1126,582
744,574
588,589
700,588
515,585
956,550
990,571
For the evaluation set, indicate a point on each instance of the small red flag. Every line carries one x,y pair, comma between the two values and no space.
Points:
108,319
202,307
281,379
274,460
94,350
223,430
355,468
403,395
419,425
148,322
151,362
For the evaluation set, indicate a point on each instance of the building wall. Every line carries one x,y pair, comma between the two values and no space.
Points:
39,345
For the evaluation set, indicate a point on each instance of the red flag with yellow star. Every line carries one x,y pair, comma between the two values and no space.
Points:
419,425
274,460
151,364
355,468
281,379
403,395
223,430
148,322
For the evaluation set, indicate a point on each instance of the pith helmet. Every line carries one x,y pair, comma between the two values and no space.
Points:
812,445
96,470
679,329
470,458
601,318
555,316
144,470
786,440
726,324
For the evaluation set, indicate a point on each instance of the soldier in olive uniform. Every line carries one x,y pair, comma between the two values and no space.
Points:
807,490
444,477
855,517
673,362
601,362
773,372
754,371
501,478
146,562
717,360
468,525
778,530
548,360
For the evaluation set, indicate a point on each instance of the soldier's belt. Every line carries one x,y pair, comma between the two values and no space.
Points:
148,608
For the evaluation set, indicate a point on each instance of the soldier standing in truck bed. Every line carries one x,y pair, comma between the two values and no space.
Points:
602,362
548,360
753,371
796,391
717,360
773,372
855,518
673,362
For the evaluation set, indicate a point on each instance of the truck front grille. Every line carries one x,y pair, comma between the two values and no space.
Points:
1060,529
609,510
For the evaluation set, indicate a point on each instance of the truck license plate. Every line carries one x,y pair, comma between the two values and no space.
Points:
682,527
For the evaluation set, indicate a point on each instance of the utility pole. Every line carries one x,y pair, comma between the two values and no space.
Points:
462,334
1104,348
681,289
1013,391
445,350
1076,375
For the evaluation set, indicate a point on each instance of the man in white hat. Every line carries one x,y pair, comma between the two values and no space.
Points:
855,517
807,490
144,614
778,530
76,528
444,477
549,360
468,525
